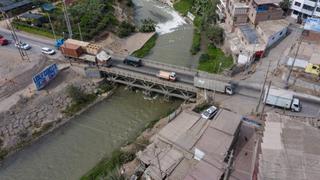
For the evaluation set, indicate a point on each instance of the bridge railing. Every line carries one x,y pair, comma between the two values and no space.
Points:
142,77
170,67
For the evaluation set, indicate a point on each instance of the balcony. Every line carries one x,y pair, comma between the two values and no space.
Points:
310,2
305,11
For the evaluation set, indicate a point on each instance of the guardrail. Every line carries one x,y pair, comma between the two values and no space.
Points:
134,75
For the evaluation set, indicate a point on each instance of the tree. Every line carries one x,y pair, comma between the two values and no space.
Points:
215,35
148,25
285,5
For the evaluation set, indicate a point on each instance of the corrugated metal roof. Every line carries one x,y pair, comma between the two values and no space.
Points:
31,16
15,5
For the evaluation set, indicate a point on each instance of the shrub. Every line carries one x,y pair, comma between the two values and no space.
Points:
125,29
148,25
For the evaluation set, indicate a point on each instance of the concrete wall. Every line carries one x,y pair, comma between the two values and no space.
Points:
273,13
271,39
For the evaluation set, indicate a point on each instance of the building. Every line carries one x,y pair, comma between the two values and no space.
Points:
240,12
305,8
33,19
190,147
289,150
272,31
12,7
264,10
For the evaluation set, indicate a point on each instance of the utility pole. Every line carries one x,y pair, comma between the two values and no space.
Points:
22,52
294,60
263,87
54,34
66,17
80,32
264,105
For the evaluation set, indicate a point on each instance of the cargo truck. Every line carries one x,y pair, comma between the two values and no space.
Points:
282,98
86,52
214,85
170,76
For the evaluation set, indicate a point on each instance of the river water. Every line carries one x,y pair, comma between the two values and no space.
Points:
75,148
175,34
72,150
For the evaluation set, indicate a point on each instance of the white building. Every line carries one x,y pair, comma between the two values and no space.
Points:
305,8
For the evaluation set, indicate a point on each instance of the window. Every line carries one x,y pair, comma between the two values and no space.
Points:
318,9
297,4
295,12
307,7
272,38
281,33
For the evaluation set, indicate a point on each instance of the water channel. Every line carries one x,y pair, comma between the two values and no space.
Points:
72,150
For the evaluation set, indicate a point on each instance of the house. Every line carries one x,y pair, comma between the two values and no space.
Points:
263,10
272,31
33,18
12,7
305,9
236,13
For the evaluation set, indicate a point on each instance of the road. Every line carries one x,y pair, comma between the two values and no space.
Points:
250,95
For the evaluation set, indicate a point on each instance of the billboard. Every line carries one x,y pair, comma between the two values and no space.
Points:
41,79
312,24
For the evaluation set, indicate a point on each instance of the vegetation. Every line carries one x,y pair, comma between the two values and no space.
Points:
215,35
183,6
201,107
79,98
34,30
148,25
214,61
107,166
146,48
92,17
285,5
125,29
196,42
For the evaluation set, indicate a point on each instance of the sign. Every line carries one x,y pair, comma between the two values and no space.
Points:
312,24
43,78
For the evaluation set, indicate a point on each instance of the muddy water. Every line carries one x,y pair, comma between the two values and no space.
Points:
75,148
175,34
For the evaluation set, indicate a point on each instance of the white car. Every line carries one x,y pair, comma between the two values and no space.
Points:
48,51
22,45
209,113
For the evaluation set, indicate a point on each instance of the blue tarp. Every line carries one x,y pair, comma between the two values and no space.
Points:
312,24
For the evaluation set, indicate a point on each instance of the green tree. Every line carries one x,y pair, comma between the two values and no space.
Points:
215,35
148,25
285,5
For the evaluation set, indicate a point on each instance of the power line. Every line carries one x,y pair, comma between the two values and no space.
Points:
66,17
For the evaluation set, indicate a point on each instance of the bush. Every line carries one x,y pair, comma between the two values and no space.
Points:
215,35
204,57
196,42
125,29
148,25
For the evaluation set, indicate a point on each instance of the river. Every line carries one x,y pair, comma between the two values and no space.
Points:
75,148
72,150
175,34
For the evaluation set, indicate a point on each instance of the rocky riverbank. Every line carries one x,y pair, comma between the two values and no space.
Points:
41,112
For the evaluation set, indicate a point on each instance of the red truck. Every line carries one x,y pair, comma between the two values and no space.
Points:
3,41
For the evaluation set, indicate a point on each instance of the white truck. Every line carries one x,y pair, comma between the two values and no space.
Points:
214,85
282,98
170,76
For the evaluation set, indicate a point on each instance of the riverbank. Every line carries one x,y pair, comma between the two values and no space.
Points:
38,114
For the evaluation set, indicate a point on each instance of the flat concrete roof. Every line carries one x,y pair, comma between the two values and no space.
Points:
273,26
249,33
260,2
227,122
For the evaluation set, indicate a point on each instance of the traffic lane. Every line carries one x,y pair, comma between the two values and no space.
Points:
185,78
28,38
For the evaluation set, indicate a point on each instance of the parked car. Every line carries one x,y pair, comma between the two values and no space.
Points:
3,41
48,51
22,45
209,113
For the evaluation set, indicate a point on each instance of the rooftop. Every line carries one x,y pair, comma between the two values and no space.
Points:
31,15
289,149
249,33
272,26
10,4
261,2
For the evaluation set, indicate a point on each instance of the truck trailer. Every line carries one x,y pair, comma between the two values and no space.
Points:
170,76
86,52
282,98
214,85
